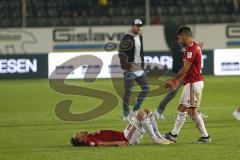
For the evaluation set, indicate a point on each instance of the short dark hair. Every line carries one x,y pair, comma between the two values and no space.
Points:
76,143
184,30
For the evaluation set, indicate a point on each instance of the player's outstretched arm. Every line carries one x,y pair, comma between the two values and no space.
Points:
174,82
114,143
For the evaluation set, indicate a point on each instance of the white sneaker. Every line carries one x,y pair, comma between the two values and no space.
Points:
159,116
204,116
162,141
236,115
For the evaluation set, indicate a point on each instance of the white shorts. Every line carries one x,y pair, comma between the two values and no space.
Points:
192,94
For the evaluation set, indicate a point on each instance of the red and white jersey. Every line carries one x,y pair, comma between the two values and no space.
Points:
134,131
193,54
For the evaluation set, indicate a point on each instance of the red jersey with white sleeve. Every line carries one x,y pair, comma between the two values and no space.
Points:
104,135
193,54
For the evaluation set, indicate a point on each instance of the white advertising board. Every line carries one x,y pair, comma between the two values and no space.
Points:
81,39
226,62
77,65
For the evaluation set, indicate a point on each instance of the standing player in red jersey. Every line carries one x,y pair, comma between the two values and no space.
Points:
140,122
192,78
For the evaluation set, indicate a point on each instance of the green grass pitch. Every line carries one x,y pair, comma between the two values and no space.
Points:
30,130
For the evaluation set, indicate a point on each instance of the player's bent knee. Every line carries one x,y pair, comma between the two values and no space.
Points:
140,115
147,111
192,111
182,108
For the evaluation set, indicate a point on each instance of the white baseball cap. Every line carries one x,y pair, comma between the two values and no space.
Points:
137,22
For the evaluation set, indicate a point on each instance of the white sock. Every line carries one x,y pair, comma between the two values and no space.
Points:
181,118
149,129
200,125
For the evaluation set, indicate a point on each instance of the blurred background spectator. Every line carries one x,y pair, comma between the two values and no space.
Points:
38,13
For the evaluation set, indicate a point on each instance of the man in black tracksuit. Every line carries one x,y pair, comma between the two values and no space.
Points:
132,62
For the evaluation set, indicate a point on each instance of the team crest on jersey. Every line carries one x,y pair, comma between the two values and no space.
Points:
189,54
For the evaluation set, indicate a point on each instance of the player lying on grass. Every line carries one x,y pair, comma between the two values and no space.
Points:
140,122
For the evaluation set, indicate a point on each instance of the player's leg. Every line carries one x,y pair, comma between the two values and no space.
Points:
197,118
195,99
155,127
153,122
149,129
143,82
163,104
166,100
147,122
182,114
128,86
161,139
179,122
180,119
